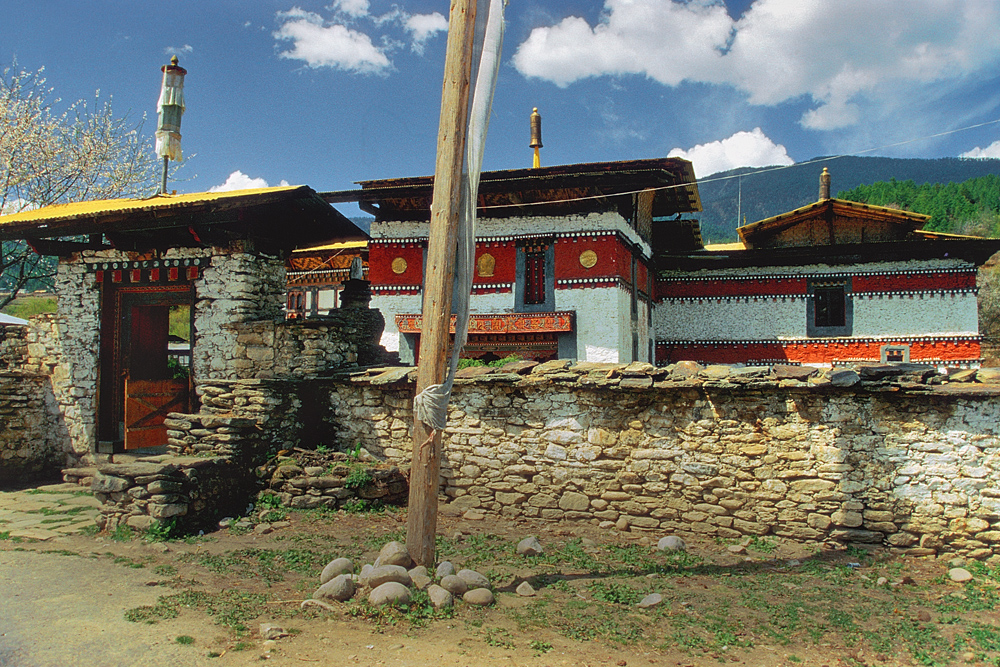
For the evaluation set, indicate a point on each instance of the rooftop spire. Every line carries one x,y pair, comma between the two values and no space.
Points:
824,185
536,136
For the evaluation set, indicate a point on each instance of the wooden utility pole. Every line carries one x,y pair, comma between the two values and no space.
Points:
421,525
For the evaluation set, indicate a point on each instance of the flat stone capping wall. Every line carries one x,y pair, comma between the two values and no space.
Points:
193,492
211,434
898,455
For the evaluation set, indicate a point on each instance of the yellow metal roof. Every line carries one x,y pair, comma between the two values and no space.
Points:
102,207
346,245
721,247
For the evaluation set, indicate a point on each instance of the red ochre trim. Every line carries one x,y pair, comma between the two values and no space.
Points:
920,282
686,289
815,352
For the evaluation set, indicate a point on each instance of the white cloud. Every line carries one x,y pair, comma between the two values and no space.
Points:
743,149
322,43
424,26
993,150
836,54
170,50
240,181
352,7
335,46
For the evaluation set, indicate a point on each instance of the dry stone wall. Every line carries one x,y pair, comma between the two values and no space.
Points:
29,417
867,455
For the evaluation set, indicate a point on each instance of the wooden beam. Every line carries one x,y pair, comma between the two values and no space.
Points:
421,523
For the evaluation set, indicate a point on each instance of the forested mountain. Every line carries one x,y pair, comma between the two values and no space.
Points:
972,206
769,191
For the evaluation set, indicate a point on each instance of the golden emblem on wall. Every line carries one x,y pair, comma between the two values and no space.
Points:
485,265
588,258
399,265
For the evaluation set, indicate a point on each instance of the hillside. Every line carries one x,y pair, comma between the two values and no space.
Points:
768,191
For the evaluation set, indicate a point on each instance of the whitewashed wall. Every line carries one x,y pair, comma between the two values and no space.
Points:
917,316
730,319
599,321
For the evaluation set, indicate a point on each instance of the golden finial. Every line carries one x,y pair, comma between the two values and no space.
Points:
536,135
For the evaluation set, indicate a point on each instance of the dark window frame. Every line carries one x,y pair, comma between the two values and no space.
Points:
534,257
830,308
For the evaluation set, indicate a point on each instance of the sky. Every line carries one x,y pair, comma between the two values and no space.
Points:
330,92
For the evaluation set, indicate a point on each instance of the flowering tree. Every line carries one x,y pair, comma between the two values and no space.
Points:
47,157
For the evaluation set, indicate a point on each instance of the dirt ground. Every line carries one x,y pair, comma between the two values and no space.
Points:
201,600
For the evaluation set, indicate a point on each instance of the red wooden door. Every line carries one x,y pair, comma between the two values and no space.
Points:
147,403
150,393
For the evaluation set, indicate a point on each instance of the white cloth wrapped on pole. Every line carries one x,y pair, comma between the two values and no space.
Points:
169,109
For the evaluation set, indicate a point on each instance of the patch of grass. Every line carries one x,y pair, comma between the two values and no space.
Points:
614,592
28,306
268,565
274,515
539,647
416,613
186,640
129,562
5,535
497,637
242,646
121,533
762,545
165,570
231,608
61,510
362,506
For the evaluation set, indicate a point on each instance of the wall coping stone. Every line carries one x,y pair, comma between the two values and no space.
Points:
881,378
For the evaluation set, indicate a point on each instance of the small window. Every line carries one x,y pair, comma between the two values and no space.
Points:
895,353
534,274
830,309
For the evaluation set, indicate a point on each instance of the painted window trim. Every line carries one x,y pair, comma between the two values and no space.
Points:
814,331
520,284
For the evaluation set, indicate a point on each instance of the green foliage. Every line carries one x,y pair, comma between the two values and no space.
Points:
122,533
359,476
231,608
186,640
539,647
28,306
162,530
496,363
268,500
971,206
416,613
614,592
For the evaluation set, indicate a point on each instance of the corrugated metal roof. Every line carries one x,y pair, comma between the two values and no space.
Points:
346,245
104,207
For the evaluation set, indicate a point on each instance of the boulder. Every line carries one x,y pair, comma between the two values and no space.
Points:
389,593
440,598
340,588
473,579
389,573
530,546
395,553
454,585
335,567
479,597
671,543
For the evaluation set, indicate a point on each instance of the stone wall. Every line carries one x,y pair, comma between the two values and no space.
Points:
193,493
882,454
29,423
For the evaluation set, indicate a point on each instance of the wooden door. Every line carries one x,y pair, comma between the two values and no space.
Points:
147,403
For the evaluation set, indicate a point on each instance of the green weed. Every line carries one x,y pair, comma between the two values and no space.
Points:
359,476
187,640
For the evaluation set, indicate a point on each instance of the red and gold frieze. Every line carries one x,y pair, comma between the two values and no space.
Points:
819,351
501,323
588,257
395,263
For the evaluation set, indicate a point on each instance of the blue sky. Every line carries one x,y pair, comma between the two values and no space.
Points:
326,93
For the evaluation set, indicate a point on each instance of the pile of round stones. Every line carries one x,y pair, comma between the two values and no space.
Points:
390,580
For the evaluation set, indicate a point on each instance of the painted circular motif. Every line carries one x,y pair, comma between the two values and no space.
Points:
399,265
588,258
